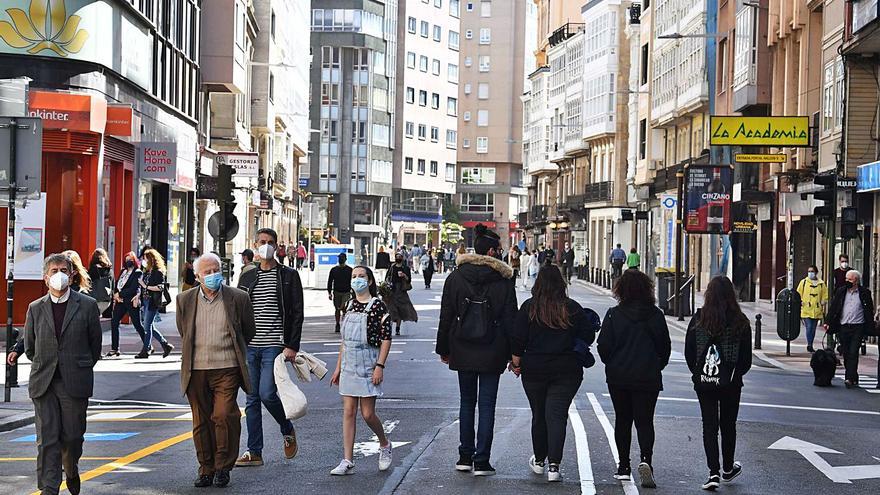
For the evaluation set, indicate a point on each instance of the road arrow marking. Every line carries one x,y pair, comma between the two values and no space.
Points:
837,474
371,447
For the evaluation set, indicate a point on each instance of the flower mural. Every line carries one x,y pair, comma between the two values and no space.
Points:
45,27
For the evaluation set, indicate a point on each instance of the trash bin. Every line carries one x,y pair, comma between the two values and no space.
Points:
788,315
666,289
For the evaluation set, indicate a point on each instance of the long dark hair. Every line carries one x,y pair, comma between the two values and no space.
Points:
634,287
721,312
99,259
549,305
371,279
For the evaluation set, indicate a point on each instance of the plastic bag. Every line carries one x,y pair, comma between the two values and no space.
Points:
293,399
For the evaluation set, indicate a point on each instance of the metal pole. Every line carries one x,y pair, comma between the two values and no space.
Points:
678,241
10,263
758,331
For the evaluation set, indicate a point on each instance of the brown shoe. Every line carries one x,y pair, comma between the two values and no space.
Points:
248,459
290,445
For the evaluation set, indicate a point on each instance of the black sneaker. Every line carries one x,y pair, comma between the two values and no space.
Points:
204,480
624,473
712,483
74,485
144,354
735,471
166,349
646,475
465,463
221,479
483,469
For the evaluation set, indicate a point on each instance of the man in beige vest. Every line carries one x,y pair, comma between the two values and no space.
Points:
215,323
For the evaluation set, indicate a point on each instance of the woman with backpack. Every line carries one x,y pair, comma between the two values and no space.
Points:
718,351
635,347
548,328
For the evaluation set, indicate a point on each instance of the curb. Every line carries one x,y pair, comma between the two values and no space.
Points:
17,421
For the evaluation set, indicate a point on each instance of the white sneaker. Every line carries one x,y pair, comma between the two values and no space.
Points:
345,467
385,457
553,474
535,466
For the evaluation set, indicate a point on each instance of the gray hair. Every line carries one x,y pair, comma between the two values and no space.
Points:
856,274
56,259
207,257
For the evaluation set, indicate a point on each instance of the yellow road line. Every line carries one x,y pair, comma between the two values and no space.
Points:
130,458
16,459
118,420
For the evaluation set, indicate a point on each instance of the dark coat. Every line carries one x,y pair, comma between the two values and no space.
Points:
634,344
131,287
568,258
835,310
549,352
383,260
473,273
291,291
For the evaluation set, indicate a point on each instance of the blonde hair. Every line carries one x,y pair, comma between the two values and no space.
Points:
154,260
79,275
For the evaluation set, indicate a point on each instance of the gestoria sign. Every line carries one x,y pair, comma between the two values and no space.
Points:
157,161
759,131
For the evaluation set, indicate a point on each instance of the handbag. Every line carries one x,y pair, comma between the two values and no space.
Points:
292,398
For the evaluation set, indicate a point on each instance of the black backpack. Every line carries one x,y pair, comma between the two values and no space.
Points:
475,322
716,364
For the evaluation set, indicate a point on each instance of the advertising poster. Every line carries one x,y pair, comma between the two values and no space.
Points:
708,194
30,237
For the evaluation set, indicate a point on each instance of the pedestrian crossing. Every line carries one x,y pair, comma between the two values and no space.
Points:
866,383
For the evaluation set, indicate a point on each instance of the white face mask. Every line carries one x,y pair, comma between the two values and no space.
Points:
266,251
844,264
59,281
144,263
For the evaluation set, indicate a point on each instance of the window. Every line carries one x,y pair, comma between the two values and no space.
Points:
411,60
435,101
271,87
470,7
437,33
721,76
468,61
410,129
484,63
424,29
828,99
644,65
421,169
839,94
407,165
450,172
453,40
452,73
485,35
438,4
483,91
467,116
482,118
272,25
454,8
434,168
467,89
411,25
465,143
451,138
423,63
643,138
423,130
435,67
452,107
410,95
478,202
469,34
423,98
485,9
478,175
435,134
482,145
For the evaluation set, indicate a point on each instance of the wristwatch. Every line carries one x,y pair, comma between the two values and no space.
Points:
380,365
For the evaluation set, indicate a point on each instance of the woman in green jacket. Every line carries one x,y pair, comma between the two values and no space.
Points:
814,298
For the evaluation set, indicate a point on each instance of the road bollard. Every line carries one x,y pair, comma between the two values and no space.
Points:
758,331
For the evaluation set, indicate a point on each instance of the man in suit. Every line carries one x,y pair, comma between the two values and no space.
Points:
62,338
215,322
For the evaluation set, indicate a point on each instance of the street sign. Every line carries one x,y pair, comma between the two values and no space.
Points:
760,158
788,220
245,163
206,187
837,474
28,156
734,130
231,225
744,227
303,182
846,183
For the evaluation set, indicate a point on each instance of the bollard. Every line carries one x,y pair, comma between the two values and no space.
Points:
758,331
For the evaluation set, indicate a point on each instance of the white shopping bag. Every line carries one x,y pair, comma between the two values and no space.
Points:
293,399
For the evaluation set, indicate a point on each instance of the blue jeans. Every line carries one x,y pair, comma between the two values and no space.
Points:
810,325
261,362
150,330
477,388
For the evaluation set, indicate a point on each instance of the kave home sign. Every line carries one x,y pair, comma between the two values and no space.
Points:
759,131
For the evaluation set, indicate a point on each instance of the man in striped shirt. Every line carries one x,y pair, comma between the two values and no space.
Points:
276,295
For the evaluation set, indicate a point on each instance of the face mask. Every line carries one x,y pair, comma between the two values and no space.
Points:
844,264
359,285
266,251
812,275
144,263
59,281
213,281
849,285
129,264
398,260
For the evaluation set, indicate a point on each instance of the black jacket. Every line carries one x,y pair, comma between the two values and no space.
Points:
339,279
695,344
291,291
398,283
549,351
475,272
835,310
102,283
635,347
131,287
383,260
568,258
153,278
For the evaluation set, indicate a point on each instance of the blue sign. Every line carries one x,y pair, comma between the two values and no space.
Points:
669,202
412,216
303,182
88,437
868,177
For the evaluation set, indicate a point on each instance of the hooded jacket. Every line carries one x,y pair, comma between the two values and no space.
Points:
474,273
635,347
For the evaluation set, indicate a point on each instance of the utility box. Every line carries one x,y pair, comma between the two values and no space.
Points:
326,257
788,314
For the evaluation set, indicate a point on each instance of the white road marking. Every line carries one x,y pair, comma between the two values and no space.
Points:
837,474
188,415
585,467
115,415
333,353
629,487
336,341
781,406
371,447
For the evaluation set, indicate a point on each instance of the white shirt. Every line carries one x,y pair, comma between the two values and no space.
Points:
852,313
62,299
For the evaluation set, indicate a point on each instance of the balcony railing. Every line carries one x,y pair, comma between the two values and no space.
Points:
598,192
522,218
576,201
539,214
565,32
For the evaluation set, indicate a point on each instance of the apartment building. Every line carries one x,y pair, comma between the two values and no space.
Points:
428,59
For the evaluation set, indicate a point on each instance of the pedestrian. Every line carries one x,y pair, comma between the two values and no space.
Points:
840,272
633,260
360,367
548,326
247,262
188,274
427,265
383,263
101,274
477,309
80,281
438,259
514,261
534,268
814,299
215,324
525,261
617,259
62,339
281,253
567,259
127,301
718,351
339,287
635,347
549,257
850,317
152,285
398,303
276,295
300,255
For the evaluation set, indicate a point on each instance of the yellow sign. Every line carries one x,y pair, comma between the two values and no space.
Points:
760,158
759,131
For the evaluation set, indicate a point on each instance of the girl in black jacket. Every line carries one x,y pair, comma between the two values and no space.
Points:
542,342
126,296
718,351
635,347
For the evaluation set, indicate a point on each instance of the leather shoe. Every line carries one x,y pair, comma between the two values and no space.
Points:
204,480
74,485
221,479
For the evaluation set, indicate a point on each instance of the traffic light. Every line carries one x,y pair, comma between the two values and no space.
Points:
849,223
828,195
224,185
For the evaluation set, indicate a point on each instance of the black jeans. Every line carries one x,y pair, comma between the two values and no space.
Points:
633,406
719,410
428,276
549,399
134,314
483,388
850,337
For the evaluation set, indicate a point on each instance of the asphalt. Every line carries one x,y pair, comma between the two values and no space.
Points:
146,449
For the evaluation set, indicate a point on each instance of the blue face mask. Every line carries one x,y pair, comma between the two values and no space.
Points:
213,281
359,285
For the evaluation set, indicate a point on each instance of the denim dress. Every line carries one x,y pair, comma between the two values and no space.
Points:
358,356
